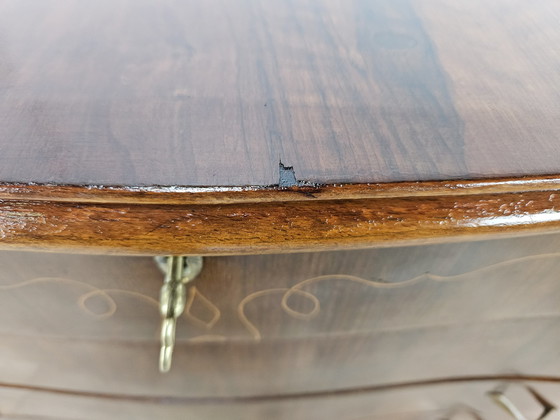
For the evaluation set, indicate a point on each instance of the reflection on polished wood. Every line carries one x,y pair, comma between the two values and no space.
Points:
339,327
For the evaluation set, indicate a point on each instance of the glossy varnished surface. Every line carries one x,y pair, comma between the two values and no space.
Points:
345,335
144,92
252,228
173,195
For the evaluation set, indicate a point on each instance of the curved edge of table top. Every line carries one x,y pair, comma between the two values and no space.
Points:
248,220
298,191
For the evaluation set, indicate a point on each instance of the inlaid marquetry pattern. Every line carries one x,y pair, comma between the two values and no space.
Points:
307,306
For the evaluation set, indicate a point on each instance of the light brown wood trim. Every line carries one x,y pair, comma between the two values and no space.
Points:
255,194
251,228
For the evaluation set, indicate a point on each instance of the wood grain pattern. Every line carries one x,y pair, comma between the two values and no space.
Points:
145,92
81,331
248,228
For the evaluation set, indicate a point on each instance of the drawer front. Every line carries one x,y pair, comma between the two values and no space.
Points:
283,325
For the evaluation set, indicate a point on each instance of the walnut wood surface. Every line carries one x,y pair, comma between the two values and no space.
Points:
344,335
217,93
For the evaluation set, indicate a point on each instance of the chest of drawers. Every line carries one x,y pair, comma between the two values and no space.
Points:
373,186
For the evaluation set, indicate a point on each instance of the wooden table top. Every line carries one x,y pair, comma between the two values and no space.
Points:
264,103
218,93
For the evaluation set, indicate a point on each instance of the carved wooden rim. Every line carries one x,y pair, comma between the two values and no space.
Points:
195,221
273,193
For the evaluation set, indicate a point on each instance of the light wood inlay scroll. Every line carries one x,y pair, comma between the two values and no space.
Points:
305,301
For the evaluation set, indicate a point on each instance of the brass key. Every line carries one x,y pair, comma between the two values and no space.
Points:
178,270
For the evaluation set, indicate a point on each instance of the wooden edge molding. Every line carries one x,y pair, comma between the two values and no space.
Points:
261,227
290,397
273,193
